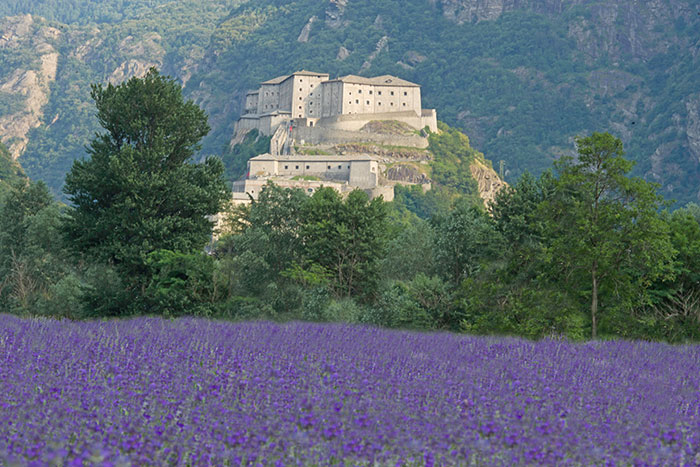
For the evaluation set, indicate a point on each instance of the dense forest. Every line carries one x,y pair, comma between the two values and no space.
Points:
522,81
585,250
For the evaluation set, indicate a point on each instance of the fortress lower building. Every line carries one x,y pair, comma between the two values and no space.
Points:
342,173
346,103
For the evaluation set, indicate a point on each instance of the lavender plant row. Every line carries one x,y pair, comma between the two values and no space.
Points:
194,392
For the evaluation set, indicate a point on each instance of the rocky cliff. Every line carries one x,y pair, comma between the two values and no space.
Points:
31,81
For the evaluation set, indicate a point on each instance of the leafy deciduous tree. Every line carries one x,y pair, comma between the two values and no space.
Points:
140,192
604,225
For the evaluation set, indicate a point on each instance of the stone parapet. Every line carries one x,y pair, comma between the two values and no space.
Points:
323,135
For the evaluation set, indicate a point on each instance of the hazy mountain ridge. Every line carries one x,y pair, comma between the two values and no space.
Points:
521,77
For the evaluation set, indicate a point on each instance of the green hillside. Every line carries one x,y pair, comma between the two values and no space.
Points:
10,171
522,81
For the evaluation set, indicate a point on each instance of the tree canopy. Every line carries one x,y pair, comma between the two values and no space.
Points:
140,191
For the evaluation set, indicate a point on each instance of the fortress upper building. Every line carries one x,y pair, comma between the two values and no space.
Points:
346,103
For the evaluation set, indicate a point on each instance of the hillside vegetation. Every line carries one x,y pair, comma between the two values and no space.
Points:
585,250
10,171
522,81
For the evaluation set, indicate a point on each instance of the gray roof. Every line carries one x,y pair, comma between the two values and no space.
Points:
277,80
307,158
281,79
310,73
384,80
276,112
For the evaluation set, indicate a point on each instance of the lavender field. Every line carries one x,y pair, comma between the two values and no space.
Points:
194,392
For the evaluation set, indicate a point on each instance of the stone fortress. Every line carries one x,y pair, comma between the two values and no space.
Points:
328,132
346,103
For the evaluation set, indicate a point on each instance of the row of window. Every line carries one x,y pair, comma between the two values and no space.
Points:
340,166
359,91
357,101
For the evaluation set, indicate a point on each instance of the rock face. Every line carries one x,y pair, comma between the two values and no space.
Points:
31,82
343,53
143,54
693,126
382,45
306,30
335,12
39,45
611,28
406,173
488,181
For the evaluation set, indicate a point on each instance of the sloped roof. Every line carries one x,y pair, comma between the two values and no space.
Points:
281,79
277,80
309,73
384,80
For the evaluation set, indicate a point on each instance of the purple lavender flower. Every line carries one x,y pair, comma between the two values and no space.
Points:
196,392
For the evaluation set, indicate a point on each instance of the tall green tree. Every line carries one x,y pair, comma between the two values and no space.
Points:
266,240
32,259
10,170
464,239
607,237
347,238
140,191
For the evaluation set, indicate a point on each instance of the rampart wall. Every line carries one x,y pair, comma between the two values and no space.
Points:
323,135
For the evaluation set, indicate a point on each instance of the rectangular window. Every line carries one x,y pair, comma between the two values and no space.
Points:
307,167
297,167
405,93
367,102
360,91
392,93
340,166
286,167
370,92
379,92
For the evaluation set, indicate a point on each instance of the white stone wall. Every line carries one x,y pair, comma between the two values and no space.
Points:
269,123
364,174
338,170
307,95
268,99
332,131
262,168
251,103
369,99
286,89
332,99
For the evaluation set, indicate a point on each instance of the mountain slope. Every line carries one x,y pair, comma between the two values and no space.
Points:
521,77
